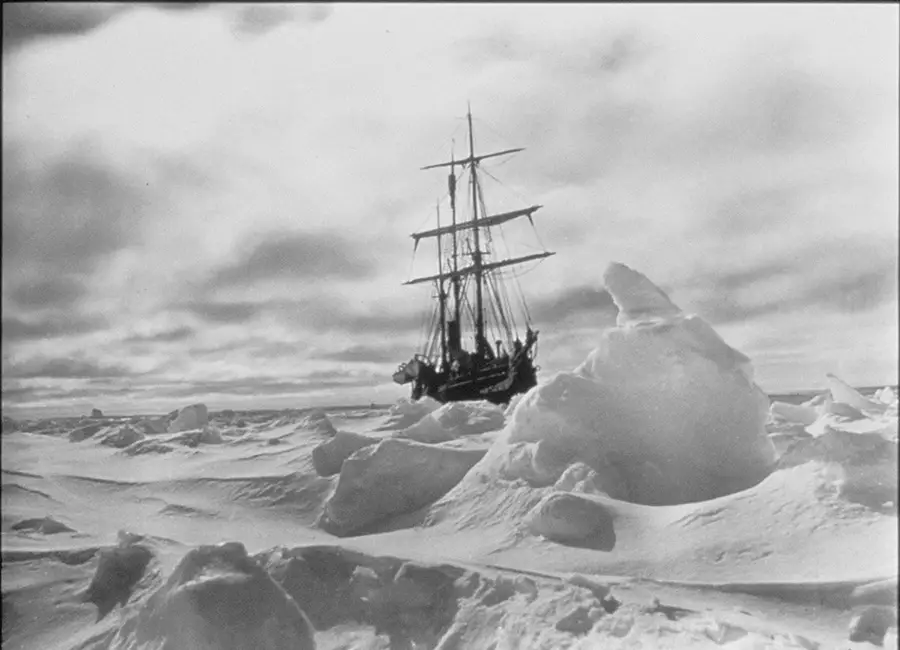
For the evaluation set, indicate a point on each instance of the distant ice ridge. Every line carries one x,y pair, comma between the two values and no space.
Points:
663,404
842,408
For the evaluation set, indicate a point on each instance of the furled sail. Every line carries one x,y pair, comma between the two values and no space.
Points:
492,220
468,270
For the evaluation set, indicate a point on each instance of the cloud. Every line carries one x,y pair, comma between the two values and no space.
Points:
385,322
223,312
67,214
728,281
17,394
254,347
24,21
56,292
324,313
182,6
321,311
273,387
65,369
172,335
845,276
367,354
264,386
577,300
84,225
22,393
259,19
771,105
146,388
857,291
749,211
318,313
297,256
57,325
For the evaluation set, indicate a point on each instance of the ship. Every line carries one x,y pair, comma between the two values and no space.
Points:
477,346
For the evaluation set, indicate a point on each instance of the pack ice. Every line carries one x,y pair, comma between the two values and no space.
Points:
663,410
841,409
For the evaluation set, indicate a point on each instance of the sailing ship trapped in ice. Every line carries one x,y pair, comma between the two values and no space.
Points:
474,348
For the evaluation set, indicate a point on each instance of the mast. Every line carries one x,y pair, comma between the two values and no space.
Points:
476,255
452,183
442,297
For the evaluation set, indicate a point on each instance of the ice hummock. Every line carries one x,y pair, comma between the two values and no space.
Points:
663,401
219,597
640,302
455,420
407,412
845,394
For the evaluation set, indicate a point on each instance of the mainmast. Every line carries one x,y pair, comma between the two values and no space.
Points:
476,254
451,181
442,295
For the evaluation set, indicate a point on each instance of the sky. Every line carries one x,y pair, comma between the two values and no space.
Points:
212,202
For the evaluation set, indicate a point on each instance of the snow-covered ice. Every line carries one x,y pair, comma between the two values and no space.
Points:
662,400
651,497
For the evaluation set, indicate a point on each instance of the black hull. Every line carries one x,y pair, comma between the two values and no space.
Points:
496,383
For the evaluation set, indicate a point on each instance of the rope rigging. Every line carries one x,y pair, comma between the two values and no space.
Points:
471,348
502,295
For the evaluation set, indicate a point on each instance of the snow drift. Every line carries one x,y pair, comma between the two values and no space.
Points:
329,456
218,597
390,478
446,423
407,412
455,420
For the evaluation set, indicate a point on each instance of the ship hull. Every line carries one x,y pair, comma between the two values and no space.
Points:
496,383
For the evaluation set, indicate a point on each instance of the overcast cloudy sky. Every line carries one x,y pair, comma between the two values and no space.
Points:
212,202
